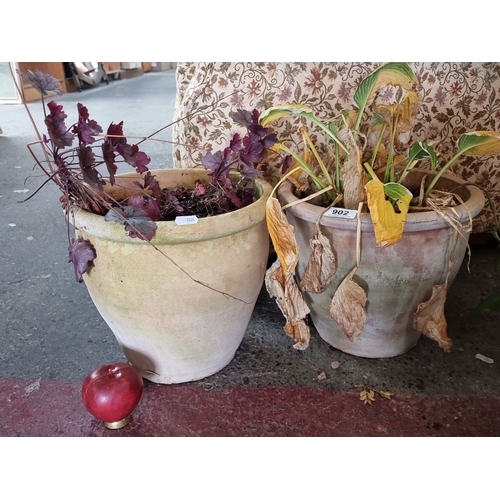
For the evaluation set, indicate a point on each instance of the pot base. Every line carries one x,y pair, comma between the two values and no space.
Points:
168,377
374,351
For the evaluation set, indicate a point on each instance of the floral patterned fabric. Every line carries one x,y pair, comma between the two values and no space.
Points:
457,97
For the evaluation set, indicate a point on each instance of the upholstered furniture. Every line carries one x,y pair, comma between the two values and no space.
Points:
457,97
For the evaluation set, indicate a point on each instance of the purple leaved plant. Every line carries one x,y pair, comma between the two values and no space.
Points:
74,155
77,155
243,155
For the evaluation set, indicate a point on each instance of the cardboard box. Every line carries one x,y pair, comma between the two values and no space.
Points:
161,66
111,67
146,66
131,73
130,65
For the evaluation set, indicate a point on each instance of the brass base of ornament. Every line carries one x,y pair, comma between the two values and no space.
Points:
119,424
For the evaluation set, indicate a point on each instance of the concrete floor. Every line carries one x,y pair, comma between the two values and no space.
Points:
51,335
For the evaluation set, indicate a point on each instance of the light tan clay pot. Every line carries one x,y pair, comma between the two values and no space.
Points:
396,278
179,309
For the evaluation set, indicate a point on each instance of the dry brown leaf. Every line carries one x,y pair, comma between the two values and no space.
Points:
300,332
300,181
322,264
352,172
429,318
291,304
348,307
367,396
409,110
382,155
385,394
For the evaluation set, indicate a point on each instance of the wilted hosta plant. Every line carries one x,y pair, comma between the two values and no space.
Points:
363,167
82,159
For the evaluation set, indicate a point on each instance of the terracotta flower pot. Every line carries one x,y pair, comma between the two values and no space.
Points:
396,278
179,309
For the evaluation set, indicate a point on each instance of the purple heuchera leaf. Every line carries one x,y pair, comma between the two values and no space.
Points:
212,161
247,196
246,152
134,157
250,172
85,128
136,222
116,129
235,143
109,159
234,198
43,82
82,254
219,163
243,118
150,182
56,127
269,140
130,153
170,199
287,162
87,160
251,122
141,161
149,206
253,151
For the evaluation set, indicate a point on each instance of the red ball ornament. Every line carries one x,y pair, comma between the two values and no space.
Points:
111,393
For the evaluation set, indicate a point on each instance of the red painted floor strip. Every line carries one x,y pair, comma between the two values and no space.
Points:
54,408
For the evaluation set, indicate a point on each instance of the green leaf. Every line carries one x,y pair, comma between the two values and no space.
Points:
397,191
421,150
399,74
479,143
378,121
274,113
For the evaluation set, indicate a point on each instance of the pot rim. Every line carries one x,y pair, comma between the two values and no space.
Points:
168,232
415,221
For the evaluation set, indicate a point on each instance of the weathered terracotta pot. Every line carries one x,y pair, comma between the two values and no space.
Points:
396,278
179,309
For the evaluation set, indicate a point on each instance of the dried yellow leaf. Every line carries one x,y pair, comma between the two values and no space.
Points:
388,225
322,264
388,111
409,110
367,396
348,307
429,318
291,304
282,235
